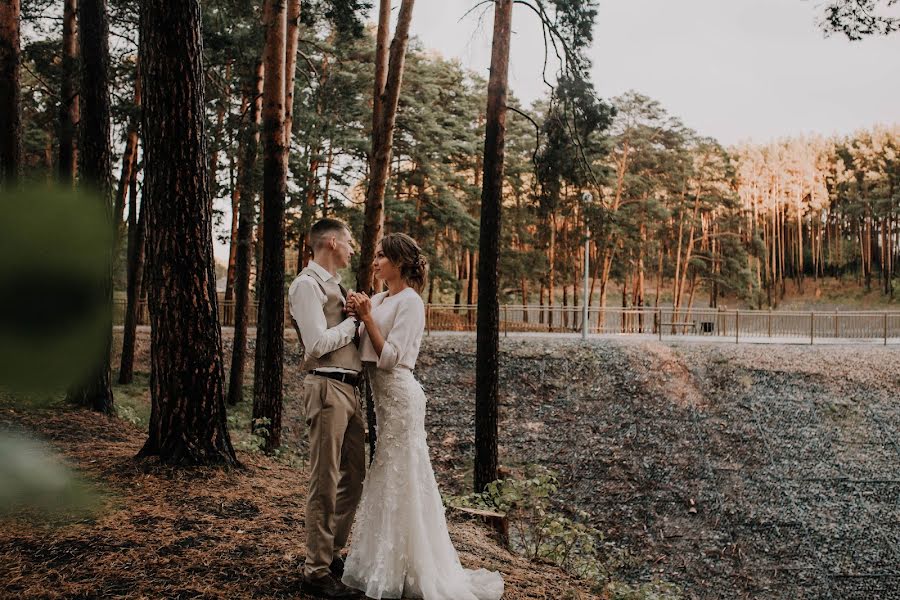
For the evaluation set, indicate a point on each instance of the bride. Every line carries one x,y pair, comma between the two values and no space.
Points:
400,545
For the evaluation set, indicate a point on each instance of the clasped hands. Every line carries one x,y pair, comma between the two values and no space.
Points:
359,305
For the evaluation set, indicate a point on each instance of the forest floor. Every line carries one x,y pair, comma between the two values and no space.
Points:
160,532
729,471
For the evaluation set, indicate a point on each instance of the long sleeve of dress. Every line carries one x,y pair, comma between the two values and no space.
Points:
406,334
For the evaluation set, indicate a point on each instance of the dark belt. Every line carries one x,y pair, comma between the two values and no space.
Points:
351,378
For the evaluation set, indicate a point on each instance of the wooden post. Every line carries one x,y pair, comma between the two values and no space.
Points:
836,327
770,322
505,322
427,319
737,326
659,322
812,328
885,328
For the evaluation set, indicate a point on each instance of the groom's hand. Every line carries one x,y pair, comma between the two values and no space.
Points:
362,305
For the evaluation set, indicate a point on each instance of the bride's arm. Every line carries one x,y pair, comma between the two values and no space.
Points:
405,332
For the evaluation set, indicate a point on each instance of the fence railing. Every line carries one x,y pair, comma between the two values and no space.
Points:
662,322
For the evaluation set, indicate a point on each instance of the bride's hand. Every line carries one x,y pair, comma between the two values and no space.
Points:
362,305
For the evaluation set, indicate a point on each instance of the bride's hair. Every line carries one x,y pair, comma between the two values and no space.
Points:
406,254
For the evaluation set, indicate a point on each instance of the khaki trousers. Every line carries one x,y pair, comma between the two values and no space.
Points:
337,460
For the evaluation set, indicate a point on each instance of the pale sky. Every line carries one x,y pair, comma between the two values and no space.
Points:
730,69
734,70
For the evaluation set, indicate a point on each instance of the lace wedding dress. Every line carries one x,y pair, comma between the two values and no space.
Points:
400,546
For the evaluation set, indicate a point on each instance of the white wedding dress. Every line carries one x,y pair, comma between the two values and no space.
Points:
399,545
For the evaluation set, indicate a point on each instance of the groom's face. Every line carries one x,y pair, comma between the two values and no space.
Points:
343,248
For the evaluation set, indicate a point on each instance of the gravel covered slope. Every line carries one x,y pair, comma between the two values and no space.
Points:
735,471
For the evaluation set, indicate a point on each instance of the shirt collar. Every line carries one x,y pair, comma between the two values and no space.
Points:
321,272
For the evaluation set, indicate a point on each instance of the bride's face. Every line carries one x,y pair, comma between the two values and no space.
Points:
383,268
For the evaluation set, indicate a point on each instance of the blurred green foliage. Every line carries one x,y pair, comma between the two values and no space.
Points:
54,255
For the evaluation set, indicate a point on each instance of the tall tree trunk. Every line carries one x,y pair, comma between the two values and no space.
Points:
384,115
250,145
487,364
187,420
10,92
137,228
68,98
95,391
269,364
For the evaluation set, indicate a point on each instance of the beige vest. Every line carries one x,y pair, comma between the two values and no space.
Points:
345,357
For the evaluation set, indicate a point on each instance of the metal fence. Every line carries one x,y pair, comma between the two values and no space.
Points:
662,322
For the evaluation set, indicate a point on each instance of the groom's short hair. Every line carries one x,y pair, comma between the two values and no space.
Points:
323,229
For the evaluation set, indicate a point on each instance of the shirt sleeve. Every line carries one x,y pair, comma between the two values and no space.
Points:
306,302
406,332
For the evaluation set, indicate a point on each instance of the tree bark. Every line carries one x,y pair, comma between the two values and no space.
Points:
487,367
269,363
250,144
68,106
95,391
10,92
187,421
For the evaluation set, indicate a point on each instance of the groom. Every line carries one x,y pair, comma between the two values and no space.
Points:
333,414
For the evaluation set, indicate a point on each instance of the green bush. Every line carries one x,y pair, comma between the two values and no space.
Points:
538,532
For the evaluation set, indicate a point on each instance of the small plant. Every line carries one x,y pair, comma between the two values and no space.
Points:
127,413
256,441
539,532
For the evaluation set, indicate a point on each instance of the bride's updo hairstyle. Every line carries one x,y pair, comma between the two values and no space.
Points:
407,256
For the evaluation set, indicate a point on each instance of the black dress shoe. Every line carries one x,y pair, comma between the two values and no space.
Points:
337,567
328,586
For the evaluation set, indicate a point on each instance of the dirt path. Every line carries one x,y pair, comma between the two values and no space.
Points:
200,533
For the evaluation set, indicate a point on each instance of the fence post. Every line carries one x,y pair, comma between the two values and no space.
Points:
885,328
659,325
812,327
836,326
427,319
770,321
737,326
505,323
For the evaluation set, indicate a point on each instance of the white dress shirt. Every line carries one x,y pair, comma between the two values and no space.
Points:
306,300
401,320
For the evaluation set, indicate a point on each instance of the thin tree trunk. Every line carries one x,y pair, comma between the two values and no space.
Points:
290,69
68,106
386,99
328,170
129,160
137,228
187,420
487,364
235,208
551,277
250,145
